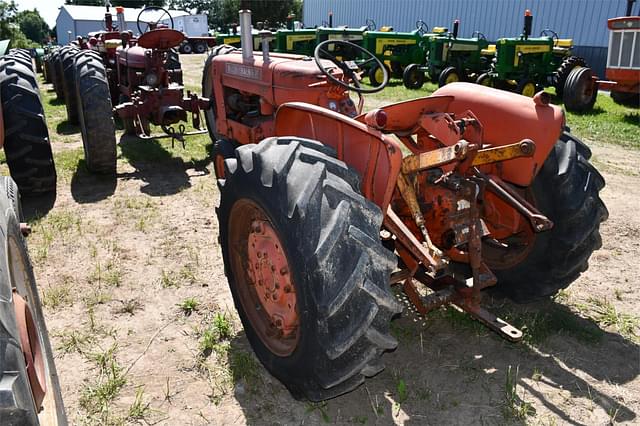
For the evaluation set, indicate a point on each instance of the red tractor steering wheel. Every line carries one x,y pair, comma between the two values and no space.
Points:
152,23
357,62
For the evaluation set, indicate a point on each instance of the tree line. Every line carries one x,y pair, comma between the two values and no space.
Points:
25,28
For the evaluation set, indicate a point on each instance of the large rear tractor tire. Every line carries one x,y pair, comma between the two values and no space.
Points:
95,112
563,71
627,99
67,56
307,271
26,137
580,91
413,77
28,379
58,77
566,190
207,89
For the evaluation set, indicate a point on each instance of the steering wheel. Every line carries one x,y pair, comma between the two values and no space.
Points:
371,25
152,24
550,33
350,68
479,35
422,27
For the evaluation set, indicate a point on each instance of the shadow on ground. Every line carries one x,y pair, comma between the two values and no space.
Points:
88,187
162,172
449,369
36,206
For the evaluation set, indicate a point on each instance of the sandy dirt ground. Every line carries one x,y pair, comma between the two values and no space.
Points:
132,280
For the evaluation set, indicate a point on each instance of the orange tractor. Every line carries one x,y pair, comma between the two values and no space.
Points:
324,207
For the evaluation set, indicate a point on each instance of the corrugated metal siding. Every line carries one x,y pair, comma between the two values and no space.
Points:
583,20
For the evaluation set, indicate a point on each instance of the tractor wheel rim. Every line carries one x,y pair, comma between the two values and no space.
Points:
379,75
218,166
31,348
509,252
452,78
263,278
529,90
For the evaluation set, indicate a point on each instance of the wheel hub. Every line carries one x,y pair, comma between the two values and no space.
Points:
269,273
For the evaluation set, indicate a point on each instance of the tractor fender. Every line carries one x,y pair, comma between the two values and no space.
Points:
507,118
377,158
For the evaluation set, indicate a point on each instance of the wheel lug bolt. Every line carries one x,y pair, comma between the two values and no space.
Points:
259,255
284,270
287,289
277,286
273,268
275,297
256,228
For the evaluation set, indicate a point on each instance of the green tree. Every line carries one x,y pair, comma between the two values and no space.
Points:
9,27
33,26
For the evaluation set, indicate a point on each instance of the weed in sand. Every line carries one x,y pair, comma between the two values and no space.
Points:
401,388
607,315
217,331
168,280
321,408
97,297
139,409
129,306
188,306
96,397
515,406
54,297
244,367
109,274
74,341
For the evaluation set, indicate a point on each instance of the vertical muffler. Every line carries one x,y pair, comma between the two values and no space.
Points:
246,37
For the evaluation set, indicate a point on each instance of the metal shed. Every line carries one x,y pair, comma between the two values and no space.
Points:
73,21
583,20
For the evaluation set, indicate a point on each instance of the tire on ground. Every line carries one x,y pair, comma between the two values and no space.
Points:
580,91
413,77
627,99
57,75
19,406
207,89
566,190
26,138
341,270
448,75
563,71
67,57
95,113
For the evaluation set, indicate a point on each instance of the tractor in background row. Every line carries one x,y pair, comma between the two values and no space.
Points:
29,384
449,59
623,60
527,65
324,206
138,79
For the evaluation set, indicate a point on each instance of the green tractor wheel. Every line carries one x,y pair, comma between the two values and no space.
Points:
580,91
448,75
485,80
376,75
526,88
413,77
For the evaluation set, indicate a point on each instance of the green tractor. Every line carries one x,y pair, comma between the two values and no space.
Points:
527,65
450,58
291,40
396,50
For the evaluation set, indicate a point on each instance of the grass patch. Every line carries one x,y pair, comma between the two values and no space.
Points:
515,406
139,410
57,296
96,397
606,314
219,329
188,306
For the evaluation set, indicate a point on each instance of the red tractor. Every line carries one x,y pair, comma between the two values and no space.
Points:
623,65
142,74
324,207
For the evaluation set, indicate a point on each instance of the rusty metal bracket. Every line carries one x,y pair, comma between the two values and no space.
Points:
538,221
500,326
435,158
524,148
404,236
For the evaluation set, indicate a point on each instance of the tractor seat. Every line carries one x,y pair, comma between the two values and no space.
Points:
439,30
386,29
163,38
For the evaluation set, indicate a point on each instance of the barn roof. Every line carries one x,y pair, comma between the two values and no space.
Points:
96,13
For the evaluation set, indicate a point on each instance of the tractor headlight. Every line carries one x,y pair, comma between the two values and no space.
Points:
333,106
151,79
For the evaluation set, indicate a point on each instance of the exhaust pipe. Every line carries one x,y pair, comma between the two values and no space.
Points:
246,38
122,25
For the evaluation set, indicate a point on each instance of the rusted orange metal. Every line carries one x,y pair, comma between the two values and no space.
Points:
524,148
31,349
